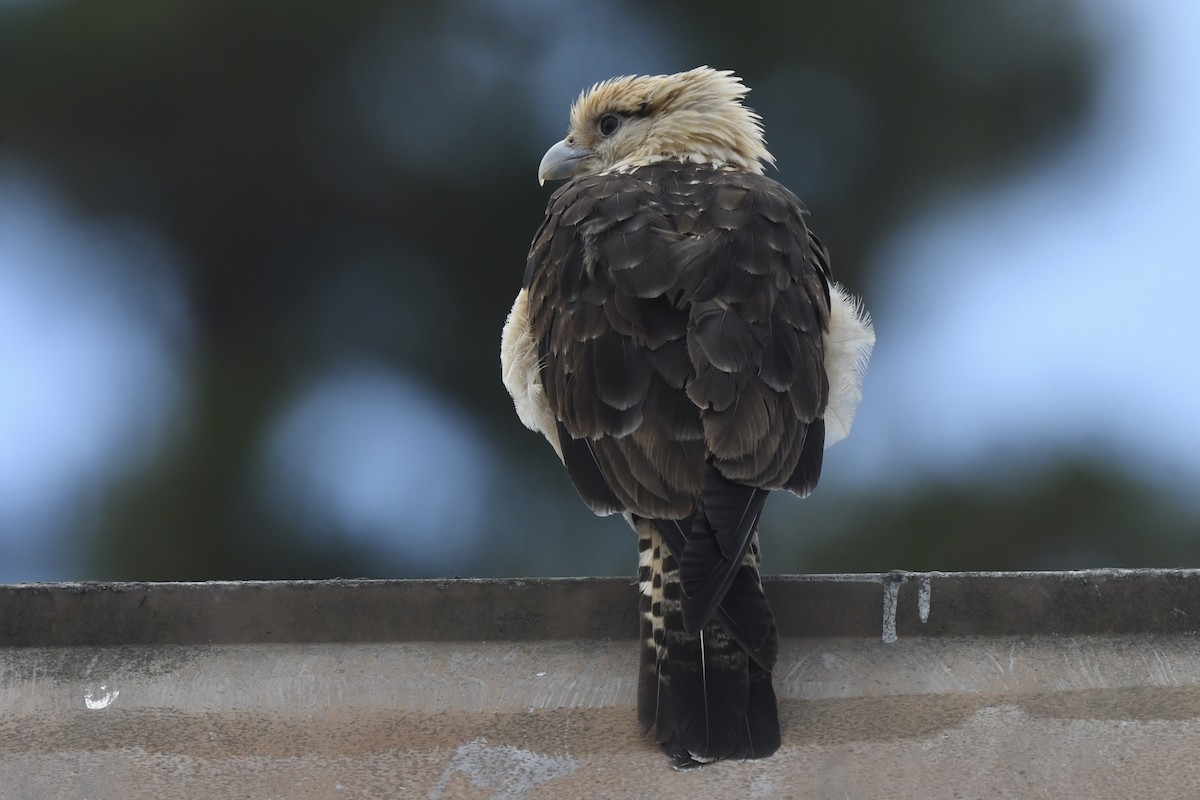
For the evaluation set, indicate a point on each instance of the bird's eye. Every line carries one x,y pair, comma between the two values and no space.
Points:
609,124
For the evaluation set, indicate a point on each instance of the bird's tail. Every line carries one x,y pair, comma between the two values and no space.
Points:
705,695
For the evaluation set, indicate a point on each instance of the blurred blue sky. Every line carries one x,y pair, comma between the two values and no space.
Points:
1051,311
91,366
1056,310
340,462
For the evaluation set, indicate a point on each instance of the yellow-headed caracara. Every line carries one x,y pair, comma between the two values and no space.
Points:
679,342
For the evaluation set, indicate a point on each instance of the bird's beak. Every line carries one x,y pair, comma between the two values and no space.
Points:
561,161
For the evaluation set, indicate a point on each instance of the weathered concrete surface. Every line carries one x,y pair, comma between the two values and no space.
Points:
1031,685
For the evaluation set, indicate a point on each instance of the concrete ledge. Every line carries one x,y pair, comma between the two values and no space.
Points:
343,611
1021,685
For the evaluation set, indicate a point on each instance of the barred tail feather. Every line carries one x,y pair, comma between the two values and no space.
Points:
703,695
649,586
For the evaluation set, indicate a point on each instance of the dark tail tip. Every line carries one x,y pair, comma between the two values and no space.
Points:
723,704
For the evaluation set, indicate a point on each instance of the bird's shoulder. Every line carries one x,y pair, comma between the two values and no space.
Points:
672,188
693,210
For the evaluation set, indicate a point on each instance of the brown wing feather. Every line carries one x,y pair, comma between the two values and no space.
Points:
679,311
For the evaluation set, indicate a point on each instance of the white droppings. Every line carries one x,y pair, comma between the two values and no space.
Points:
891,591
541,674
923,599
93,702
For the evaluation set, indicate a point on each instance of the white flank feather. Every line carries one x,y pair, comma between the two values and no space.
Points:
521,373
848,346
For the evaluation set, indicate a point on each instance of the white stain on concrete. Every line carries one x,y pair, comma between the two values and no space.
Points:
891,592
509,771
100,699
891,596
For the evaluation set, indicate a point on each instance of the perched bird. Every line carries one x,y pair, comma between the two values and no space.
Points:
680,343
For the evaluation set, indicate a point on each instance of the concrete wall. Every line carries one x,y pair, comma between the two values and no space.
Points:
903,685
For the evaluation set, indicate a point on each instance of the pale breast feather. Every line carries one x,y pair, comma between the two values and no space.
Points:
680,313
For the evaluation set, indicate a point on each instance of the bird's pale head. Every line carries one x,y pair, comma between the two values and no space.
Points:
628,122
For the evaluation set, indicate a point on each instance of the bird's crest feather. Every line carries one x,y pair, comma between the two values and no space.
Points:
697,117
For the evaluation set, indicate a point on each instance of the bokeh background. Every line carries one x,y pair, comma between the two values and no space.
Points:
255,257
